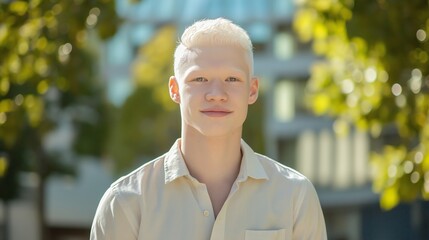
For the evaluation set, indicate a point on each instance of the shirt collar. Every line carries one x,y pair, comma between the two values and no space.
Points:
250,165
175,166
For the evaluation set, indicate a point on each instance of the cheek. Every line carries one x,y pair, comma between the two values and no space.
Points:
244,93
187,98
192,92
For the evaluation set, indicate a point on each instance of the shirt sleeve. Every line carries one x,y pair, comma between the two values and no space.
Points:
114,218
309,220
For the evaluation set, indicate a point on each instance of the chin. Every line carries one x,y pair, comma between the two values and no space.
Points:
213,128
219,131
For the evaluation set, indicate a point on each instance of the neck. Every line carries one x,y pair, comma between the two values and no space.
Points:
212,159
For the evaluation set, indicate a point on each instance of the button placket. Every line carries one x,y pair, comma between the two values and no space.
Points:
204,201
218,232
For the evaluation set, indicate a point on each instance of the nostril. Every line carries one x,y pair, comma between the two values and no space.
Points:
216,96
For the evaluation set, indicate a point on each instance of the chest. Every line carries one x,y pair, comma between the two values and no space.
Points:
218,194
245,211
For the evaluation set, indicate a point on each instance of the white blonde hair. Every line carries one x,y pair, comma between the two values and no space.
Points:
212,32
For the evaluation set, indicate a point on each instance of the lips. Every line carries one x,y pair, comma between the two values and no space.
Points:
216,112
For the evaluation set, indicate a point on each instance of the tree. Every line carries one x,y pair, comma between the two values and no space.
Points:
374,74
47,70
148,122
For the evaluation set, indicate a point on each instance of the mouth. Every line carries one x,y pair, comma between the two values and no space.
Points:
216,112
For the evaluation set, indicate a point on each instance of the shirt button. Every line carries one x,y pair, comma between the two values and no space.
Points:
206,213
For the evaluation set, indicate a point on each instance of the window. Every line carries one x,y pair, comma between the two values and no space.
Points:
289,100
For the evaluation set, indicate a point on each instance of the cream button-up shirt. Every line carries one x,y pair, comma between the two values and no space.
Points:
161,200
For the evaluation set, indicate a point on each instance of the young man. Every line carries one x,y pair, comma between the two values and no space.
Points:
211,185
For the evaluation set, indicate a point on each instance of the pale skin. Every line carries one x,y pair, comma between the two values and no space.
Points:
214,88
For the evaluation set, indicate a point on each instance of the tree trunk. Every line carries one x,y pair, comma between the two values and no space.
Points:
41,216
42,173
6,220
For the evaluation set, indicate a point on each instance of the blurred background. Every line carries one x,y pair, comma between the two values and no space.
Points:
344,99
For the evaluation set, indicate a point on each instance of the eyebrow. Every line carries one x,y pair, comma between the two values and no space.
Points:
197,71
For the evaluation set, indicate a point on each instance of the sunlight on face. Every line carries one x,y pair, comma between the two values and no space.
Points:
215,88
214,57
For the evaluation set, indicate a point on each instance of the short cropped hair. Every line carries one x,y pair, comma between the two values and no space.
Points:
212,32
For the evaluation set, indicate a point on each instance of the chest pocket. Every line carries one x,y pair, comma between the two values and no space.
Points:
265,234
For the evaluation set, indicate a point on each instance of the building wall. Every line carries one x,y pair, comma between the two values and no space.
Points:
22,218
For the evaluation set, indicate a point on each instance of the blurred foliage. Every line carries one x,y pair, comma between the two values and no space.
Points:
4,164
253,127
9,166
149,121
48,76
47,65
375,74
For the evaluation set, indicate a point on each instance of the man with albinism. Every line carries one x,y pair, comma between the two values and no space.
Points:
211,184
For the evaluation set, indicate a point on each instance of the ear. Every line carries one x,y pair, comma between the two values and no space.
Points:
253,91
173,88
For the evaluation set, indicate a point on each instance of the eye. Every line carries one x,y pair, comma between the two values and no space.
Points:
232,79
200,79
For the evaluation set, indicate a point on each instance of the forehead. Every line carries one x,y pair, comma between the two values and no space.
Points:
216,58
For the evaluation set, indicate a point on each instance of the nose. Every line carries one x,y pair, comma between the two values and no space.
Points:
216,92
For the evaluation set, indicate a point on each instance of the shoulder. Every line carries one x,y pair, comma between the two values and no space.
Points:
275,169
290,181
134,182
286,178
121,206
